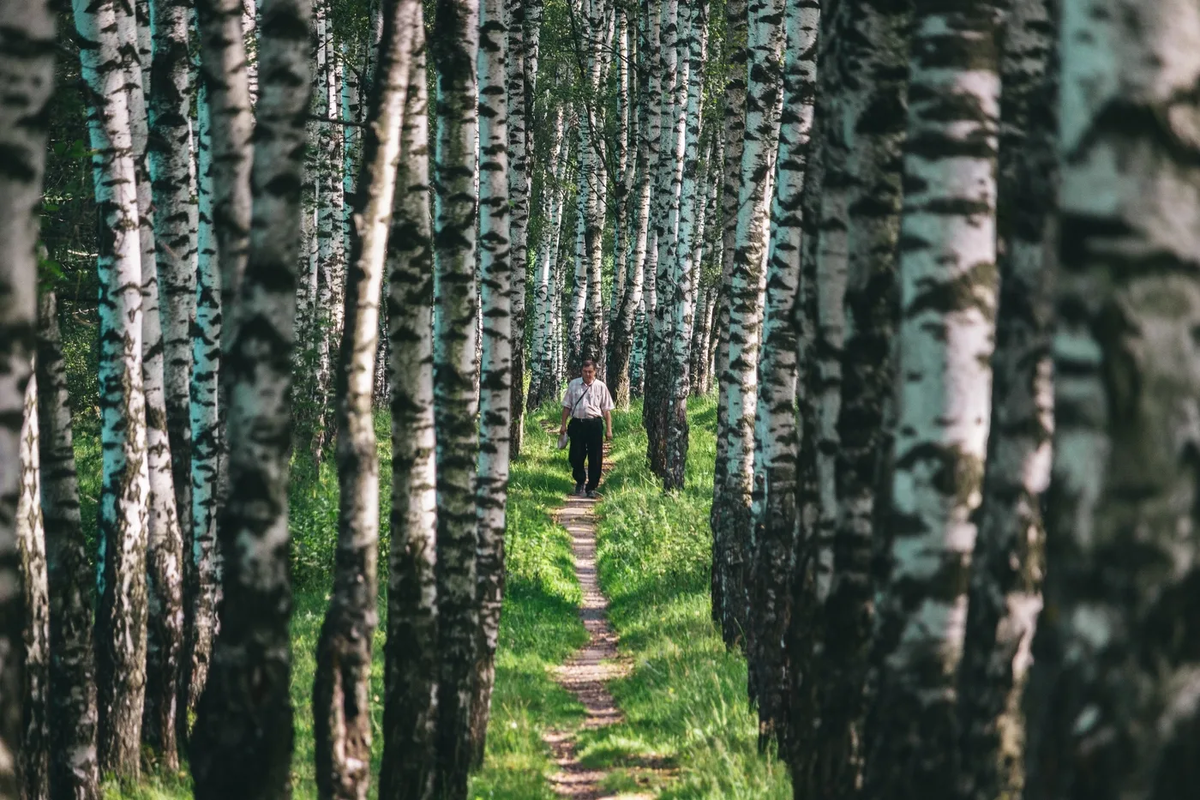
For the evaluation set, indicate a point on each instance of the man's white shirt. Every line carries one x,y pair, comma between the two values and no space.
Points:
588,401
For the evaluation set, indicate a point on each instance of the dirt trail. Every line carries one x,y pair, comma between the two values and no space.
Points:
586,674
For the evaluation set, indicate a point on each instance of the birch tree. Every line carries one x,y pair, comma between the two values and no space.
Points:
520,138
541,379
27,46
1121,499
31,534
242,744
455,46
342,691
738,381
877,117
121,614
1007,566
74,769
775,439
947,313
411,660
497,285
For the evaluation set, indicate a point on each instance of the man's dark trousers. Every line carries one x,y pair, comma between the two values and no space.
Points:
587,441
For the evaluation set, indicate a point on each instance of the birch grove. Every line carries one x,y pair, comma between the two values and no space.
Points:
900,295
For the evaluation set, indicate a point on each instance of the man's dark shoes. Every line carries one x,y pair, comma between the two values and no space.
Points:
578,490
592,494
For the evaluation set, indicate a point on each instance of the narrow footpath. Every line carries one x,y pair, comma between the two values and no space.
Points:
587,672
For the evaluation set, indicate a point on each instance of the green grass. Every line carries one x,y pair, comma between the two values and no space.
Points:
686,712
685,700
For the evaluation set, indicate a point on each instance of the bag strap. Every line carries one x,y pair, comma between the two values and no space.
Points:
580,400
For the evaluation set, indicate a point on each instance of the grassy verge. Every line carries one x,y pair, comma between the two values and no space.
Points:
687,717
540,625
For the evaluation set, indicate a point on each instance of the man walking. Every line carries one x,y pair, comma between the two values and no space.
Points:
588,405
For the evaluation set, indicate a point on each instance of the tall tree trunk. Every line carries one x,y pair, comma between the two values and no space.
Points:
164,546
1111,711
735,53
776,437
455,45
121,616
1007,566
591,342
224,72
877,117
34,762
27,46
693,196
242,745
410,704
738,381
541,385
74,769
578,306
945,339
170,155
497,285
519,186
342,691
203,578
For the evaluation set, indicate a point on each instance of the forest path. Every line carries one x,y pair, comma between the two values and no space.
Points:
587,672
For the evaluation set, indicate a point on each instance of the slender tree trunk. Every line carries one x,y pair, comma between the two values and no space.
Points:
74,769
342,691
410,701
203,561
27,46
735,420
734,132
455,45
541,383
776,437
121,616
591,341
170,155
945,336
34,762
1007,566
496,289
578,307
519,186
871,314
224,70
1111,714
164,546
686,268
242,745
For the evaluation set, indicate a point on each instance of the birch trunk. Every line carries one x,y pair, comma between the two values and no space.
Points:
776,437
242,745
945,340
1008,563
342,691
74,769
121,615
738,381
410,701
541,385
27,45
520,136
1121,545
691,233
34,763
868,382
455,46
203,563
497,285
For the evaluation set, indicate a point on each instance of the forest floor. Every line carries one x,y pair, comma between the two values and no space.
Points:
681,726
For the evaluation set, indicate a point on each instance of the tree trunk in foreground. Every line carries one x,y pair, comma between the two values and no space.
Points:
74,769
455,45
1111,691
410,672
947,324
342,687
242,746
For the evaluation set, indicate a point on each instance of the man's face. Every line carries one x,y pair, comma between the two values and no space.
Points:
589,373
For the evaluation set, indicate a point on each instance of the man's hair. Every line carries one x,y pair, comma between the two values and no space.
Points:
588,362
